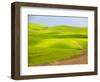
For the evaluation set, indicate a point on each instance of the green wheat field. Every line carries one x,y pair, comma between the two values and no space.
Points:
47,44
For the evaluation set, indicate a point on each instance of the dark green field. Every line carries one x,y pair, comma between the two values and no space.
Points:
47,44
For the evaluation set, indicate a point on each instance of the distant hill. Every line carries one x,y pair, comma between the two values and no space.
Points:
37,26
74,29
62,27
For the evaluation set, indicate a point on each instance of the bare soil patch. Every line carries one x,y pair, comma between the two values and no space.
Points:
81,59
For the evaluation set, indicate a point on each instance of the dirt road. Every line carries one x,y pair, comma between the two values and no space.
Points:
82,59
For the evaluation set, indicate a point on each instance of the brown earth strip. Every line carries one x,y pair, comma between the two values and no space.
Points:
81,59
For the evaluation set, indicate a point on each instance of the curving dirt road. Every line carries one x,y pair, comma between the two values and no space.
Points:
81,59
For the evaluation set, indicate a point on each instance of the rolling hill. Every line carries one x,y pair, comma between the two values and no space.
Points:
37,26
47,44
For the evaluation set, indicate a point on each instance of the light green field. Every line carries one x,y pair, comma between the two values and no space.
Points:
48,44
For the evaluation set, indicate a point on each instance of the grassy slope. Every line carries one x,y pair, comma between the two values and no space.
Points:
36,26
49,44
